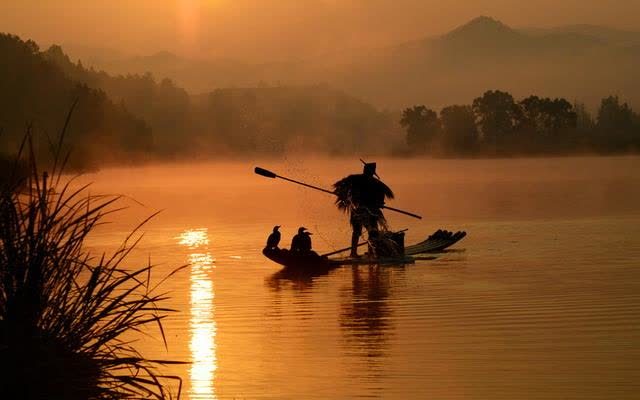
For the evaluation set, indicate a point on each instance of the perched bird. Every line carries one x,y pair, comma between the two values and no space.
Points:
274,239
305,242
302,241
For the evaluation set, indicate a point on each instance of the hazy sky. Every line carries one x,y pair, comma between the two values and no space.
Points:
278,29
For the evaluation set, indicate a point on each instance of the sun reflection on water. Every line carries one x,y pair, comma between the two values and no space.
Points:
202,323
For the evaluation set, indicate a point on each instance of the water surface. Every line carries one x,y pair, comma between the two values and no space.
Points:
541,300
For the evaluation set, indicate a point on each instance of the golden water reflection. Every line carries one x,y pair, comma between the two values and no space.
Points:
202,323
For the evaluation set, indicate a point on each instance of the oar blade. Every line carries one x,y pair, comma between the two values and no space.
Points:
265,173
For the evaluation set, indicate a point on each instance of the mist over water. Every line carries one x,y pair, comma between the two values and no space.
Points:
539,301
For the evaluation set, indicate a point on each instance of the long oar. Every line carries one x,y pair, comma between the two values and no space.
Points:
269,174
342,250
273,175
349,248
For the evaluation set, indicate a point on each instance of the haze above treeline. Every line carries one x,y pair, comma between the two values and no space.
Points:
347,101
583,62
374,49
279,30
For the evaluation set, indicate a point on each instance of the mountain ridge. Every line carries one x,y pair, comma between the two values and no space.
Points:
584,61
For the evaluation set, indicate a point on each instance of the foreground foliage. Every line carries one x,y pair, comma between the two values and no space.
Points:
64,311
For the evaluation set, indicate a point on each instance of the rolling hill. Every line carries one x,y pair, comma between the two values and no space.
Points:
485,54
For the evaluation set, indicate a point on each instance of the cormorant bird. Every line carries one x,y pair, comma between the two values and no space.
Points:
302,241
274,239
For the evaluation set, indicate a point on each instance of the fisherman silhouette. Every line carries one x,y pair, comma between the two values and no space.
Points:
301,243
274,239
362,196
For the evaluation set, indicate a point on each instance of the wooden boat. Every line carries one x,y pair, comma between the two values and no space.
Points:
289,259
437,242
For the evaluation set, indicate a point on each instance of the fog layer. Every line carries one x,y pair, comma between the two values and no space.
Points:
269,30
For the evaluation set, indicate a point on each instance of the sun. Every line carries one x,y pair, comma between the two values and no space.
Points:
189,12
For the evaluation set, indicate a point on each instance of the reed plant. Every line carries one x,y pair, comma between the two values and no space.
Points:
65,313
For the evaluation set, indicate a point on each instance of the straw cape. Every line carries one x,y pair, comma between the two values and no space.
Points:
360,191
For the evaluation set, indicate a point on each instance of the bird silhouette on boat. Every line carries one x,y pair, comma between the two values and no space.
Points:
301,243
300,254
274,239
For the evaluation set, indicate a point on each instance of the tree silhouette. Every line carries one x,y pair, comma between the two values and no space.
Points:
459,132
547,124
497,116
618,126
422,126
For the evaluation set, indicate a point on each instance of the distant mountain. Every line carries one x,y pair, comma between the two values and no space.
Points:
484,31
91,55
484,54
605,34
195,75
582,62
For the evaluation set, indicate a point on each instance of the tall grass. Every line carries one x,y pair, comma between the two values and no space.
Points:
64,310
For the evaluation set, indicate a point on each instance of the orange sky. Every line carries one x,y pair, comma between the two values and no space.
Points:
263,30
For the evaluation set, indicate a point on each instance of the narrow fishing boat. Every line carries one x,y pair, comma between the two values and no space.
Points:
437,242
351,193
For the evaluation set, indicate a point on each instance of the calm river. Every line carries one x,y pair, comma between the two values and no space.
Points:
540,301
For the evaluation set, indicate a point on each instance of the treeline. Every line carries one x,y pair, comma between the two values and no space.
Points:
127,118
495,124
35,94
266,120
272,120
132,117
163,106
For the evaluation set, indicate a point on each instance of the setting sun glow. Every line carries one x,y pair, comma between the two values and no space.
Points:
188,22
